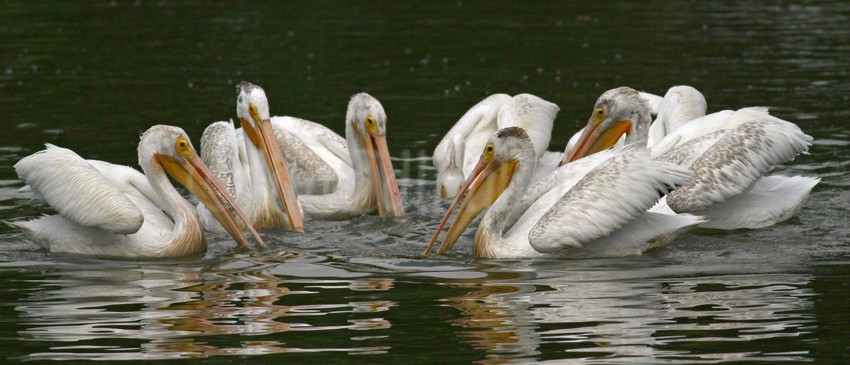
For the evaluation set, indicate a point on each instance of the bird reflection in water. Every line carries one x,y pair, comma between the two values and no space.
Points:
497,322
179,310
593,314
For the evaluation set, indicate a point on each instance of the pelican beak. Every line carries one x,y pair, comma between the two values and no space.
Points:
383,175
190,171
490,178
595,139
265,141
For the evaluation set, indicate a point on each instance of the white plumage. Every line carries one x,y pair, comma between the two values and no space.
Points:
728,153
679,105
457,153
333,177
249,163
593,207
114,210
343,177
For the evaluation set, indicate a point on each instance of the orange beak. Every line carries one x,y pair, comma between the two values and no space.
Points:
383,174
593,139
265,141
490,178
192,173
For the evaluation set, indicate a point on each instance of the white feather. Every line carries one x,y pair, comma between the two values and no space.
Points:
533,114
736,160
111,210
612,194
79,191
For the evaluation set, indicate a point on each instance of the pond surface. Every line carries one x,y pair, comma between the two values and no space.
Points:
92,77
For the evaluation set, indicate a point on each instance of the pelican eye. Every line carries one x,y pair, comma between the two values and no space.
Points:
183,147
599,115
371,125
488,152
252,109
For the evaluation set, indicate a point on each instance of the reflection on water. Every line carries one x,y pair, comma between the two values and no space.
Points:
608,311
180,312
91,77
638,321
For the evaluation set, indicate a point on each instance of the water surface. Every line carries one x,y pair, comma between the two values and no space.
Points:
92,77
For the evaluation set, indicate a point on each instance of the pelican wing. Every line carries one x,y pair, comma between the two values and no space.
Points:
475,127
78,191
220,152
533,114
728,162
314,134
608,197
129,181
299,141
694,129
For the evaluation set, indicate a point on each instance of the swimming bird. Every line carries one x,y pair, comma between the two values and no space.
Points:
456,154
458,151
589,208
113,210
729,154
338,177
249,163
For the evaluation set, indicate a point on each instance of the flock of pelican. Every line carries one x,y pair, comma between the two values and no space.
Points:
625,182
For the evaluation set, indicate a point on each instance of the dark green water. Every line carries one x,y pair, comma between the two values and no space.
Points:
92,77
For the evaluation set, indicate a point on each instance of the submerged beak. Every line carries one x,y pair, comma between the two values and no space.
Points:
593,139
192,173
383,175
494,178
265,140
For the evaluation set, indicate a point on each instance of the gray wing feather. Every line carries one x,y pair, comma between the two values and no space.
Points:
219,150
611,195
309,172
734,161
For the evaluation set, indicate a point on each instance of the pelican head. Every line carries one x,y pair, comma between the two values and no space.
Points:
618,111
169,148
252,108
367,120
502,155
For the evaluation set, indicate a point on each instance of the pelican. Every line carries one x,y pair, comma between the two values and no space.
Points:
249,163
728,156
456,154
113,210
669,116
343,177
590,208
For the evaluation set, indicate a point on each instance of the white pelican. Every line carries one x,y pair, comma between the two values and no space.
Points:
342,177
654,103
594,207
113,210
456,154
249,163
728,158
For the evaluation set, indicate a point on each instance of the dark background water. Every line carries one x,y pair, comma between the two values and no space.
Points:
93,76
